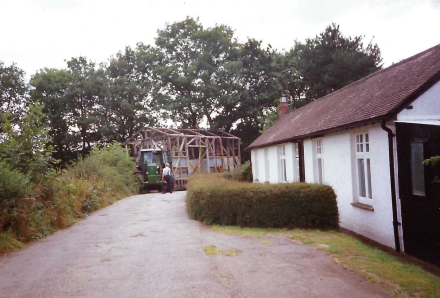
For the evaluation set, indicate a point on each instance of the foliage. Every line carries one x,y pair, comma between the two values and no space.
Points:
129,107
50,87
195,76
215,200
241,173
396,273
26,150
432,161
8,243
13,184
331,61
110,163
92,183
13,92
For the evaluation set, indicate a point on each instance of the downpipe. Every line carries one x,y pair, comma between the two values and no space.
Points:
396,223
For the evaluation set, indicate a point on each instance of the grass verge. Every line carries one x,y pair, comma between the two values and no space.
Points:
64,197
400,278
8,243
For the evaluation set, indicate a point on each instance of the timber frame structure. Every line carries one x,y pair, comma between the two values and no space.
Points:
192,150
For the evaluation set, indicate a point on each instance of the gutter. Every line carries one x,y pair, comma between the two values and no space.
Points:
396,223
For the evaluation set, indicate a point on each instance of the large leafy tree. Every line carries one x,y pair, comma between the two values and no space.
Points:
259,88
331,61
13,92
26,149
129,105
196,70
50,87
86,97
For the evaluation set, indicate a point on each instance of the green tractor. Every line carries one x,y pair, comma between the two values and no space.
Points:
149,165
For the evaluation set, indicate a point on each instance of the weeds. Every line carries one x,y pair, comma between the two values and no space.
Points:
96,181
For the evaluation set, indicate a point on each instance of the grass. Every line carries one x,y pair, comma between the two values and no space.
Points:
376,265
8,243
65,197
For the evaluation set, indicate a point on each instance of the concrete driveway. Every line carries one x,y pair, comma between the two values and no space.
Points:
145,246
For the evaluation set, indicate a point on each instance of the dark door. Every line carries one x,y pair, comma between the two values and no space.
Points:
419,190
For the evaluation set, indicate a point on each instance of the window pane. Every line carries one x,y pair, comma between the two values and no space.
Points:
284,171
370,192
319,170
361,177
367,147
417,169
366,138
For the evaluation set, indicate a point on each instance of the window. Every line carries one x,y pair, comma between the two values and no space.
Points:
283,170
266,164
256,166
417,169
319,162
363,167
296,162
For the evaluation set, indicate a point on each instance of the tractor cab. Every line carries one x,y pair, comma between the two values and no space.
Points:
149,166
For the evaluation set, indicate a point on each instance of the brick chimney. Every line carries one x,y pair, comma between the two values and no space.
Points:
283,108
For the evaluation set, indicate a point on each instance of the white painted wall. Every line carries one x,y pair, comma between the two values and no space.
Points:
425,107
340,173
258,157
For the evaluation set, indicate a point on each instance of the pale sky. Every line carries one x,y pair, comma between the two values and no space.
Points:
43,33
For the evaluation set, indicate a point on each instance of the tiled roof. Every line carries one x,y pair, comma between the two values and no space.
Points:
375,97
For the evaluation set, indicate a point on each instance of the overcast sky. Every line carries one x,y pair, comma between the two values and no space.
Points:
43,33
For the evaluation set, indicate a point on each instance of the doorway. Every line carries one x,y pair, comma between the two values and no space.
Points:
419,189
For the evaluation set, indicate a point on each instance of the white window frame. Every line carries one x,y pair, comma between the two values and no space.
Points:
266,164
319,154
296,162
363,152
256,167
282,163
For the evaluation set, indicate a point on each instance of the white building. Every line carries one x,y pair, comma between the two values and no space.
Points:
368,141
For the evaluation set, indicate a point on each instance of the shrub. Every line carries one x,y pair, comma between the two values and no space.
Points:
213,199
240,173
13,184
100,179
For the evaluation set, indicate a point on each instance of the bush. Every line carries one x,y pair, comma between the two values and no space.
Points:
213,199
13,184
109,164
100,179
241,173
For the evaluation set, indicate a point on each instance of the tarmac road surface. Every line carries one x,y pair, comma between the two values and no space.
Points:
145,246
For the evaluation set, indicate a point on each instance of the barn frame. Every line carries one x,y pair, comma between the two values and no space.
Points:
192,150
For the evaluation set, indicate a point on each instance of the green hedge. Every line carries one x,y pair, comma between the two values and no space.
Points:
213,199
241,173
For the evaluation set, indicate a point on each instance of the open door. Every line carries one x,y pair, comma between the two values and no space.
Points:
419,189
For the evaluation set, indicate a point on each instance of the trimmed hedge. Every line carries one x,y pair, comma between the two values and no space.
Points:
213,199
241,173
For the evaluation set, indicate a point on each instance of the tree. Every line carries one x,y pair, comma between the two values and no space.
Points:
13,92
26,150
260,87
129,104
195,70
50,87
331,61
85,100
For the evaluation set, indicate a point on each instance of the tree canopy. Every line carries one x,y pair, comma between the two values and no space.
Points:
191,77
